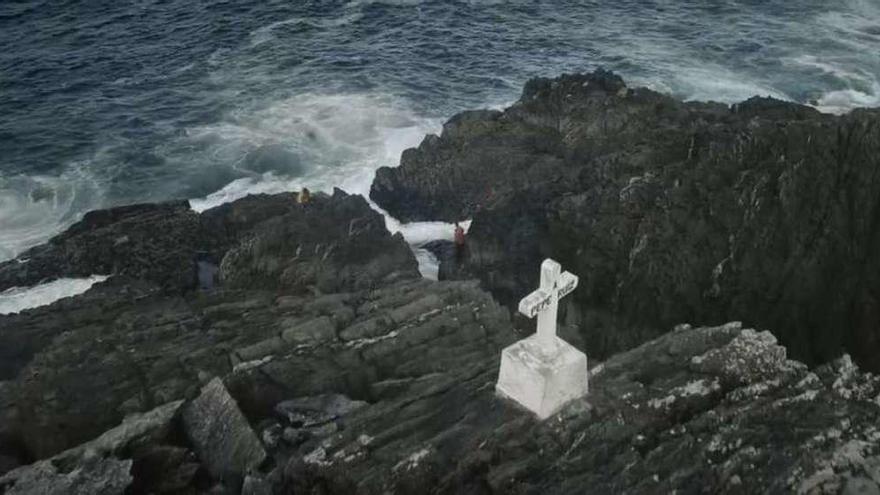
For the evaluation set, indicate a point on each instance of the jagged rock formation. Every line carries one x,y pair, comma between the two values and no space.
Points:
765,211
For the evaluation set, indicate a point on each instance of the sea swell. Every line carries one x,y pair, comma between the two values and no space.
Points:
106,105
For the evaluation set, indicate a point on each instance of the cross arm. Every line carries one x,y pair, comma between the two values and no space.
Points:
567,283
533,303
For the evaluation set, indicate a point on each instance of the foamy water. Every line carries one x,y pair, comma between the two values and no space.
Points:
340,139
18,299
116,103
346,139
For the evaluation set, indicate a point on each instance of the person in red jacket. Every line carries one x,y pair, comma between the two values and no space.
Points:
459,242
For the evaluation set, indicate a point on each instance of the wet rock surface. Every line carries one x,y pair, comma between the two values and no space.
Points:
672,212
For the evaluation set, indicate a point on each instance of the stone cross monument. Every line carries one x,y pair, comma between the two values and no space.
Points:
543,372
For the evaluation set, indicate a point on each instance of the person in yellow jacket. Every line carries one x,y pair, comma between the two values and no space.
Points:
304,197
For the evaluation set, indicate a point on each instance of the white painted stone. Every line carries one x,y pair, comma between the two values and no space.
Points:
543,372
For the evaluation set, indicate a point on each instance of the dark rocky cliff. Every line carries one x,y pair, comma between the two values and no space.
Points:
764,211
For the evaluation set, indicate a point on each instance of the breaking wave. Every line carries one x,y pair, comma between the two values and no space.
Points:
18,299
338,141
34,208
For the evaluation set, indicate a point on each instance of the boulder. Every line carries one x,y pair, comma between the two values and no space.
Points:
220,434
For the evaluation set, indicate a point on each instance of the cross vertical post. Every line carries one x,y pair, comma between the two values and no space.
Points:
550,271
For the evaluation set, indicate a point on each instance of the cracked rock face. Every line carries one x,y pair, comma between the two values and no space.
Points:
671,212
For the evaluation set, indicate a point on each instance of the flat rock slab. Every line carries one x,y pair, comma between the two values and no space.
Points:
220,434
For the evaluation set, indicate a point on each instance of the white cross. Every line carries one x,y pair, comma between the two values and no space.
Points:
544,302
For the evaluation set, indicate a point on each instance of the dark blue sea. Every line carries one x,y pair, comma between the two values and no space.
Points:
111,102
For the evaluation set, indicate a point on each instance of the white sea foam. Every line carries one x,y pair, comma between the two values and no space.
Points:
719,84
18,299
862,87
266,33
34,208
429,265
344,139
417,234
341,139
844,100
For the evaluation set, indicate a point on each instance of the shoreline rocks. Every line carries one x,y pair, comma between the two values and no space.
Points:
671,211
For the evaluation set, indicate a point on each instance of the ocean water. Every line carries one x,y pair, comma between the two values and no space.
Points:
111,102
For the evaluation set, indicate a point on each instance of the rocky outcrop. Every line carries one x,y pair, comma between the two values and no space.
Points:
331,242
334,244
154,242
671,211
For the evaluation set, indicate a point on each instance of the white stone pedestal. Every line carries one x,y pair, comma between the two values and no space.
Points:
542,374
